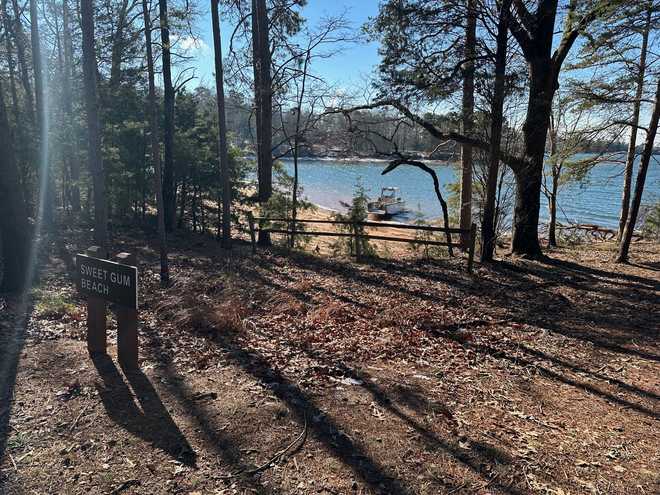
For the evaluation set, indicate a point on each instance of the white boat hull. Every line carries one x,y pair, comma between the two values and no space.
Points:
394,208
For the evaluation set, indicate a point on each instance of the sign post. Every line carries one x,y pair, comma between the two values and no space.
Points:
103,281
96,324
127,337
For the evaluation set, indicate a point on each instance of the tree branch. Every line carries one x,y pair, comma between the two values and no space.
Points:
436,185
512,161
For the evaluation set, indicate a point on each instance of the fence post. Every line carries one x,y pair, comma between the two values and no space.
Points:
253,237
358,247
473,239
127,331
97,339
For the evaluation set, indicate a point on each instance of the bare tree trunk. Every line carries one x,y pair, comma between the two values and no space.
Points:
630,157
182,200
118,44
14,236
36,63
497,112
263,97
10,61
624,247
468,121
95,157
22,61
169,192
529,176
47,200
296,148
556,172
223,157
552,227
155,148
74,161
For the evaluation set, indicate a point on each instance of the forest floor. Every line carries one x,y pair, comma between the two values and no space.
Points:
403,376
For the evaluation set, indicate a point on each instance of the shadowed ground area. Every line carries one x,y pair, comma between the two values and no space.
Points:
399,377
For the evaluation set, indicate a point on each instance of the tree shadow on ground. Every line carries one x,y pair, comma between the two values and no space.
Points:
12,340
153,423
226,447
331,434
501,354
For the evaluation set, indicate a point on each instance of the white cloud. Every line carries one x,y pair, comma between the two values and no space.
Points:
192,45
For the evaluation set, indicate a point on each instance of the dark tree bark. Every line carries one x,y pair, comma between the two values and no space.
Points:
95,158
630,157
261,57
624,247
497,112
19,37
14,236
534,33
169,193
118,45
223,155
152,111
72,144
468,120
10,60
552,194
36,65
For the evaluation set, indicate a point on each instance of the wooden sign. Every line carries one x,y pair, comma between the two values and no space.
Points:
107,280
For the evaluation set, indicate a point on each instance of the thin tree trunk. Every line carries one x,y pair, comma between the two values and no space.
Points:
630,157
14,236
296,148
468,121
23,63
10,63
74,161
95,157
223,154
552,227
624,247
263,96
46,195
169,195
488,232
182,200
556,167
118,44
155,148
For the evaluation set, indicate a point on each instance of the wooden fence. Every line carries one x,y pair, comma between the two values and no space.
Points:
258,224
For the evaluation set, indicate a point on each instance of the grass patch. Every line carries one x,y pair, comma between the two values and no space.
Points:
53,305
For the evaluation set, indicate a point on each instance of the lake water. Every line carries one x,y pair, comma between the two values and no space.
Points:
328,183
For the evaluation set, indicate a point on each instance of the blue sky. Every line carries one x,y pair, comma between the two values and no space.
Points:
346,69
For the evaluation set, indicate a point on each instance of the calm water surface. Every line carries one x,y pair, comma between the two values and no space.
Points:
328,183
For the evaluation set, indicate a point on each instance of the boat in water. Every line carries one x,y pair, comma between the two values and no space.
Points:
389,203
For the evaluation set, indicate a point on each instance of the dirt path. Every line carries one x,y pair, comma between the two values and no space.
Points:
406,377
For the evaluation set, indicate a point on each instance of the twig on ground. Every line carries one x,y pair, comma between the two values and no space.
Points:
75,422
11,458
279,455
125,485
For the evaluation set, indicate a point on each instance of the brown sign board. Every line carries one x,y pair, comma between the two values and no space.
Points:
108,280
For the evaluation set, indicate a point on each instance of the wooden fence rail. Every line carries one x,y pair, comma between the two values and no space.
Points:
256,224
